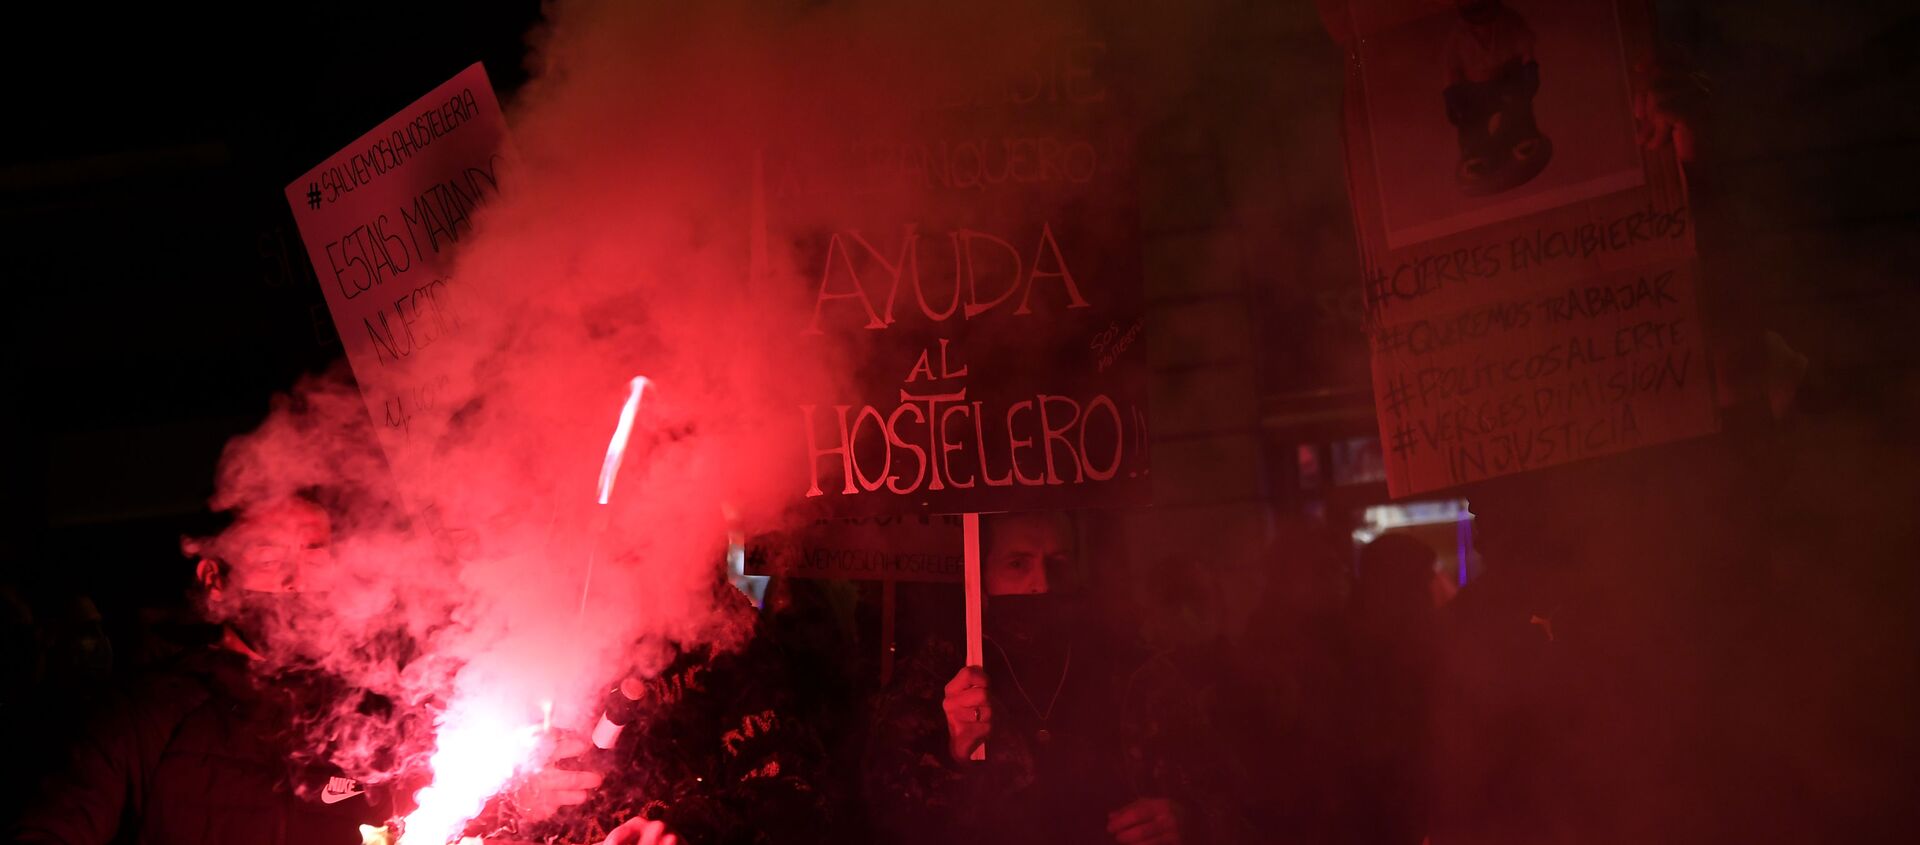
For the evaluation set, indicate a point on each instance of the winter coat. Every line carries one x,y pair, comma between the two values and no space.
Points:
196,754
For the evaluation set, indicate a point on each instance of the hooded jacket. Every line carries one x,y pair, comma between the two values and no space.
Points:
196,754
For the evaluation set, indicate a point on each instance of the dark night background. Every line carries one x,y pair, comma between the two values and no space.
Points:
158,294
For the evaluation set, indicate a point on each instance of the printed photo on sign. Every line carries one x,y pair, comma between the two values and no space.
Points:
1487,110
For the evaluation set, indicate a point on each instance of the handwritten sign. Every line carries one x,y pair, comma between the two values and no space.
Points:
381,219
1529,265
918,548
983,265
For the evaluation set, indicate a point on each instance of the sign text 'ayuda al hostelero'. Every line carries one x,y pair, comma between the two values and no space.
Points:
982,269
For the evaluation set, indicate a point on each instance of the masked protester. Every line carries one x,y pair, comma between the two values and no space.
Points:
714,747
1081,740
194,751
211,747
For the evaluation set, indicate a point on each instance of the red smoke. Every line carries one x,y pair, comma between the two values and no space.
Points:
620,246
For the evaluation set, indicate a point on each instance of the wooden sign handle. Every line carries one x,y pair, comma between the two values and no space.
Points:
975,651
889,599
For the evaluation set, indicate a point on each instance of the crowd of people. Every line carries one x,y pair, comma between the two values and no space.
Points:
1619,669
1076,728
1640,660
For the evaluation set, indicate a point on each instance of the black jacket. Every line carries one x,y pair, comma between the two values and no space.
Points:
723,751
196,754
1127,724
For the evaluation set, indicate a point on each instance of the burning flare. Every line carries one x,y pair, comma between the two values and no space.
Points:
478,753
617,448
609,470
478,750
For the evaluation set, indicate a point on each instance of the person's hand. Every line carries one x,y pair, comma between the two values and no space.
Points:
551,788
639,831
1146,821
1667,98
969,712
1658,123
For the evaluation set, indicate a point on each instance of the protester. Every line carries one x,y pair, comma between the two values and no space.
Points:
207,747
80,655
22,668
22,651
196,752
1390,663
1082,732
1286,724
718,747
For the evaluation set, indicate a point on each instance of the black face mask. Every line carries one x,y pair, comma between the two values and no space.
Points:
1043,617
261,614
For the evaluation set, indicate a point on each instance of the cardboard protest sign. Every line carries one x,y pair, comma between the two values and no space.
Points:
381,219
982,265
918,548
1528,262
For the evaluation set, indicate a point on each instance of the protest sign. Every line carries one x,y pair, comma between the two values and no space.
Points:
1528,262
977,268
983,268
381,219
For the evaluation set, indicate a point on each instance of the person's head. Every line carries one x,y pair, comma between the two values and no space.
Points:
1179,607
80,652
1396,577
267,573
1031,574
1526,522
1024,554
1394,600
22,652
284,546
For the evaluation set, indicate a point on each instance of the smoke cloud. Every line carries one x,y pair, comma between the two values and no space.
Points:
622,244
